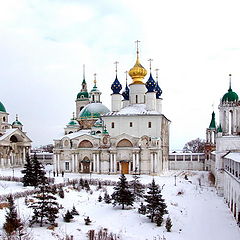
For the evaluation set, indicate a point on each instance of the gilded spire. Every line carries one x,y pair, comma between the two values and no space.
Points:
138,72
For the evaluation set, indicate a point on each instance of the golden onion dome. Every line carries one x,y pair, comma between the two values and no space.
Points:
137,73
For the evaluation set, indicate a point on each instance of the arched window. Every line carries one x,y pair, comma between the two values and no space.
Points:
124,143
13,138
81,108
112,124
85,144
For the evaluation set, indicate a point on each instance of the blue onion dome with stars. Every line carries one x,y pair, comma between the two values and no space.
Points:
158,91
150,84
125,93
116,86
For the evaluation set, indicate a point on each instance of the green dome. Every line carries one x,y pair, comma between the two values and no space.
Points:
2,108
17,123
73,123
82,95
93,110
230,96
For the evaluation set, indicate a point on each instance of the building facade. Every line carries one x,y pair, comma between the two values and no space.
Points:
132,137
14,143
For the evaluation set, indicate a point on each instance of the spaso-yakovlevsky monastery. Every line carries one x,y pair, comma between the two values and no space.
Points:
133,137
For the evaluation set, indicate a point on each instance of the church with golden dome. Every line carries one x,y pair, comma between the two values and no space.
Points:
132,137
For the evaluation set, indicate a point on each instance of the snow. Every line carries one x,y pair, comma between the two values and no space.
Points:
135,109
234,156
197,214
7,133
76,134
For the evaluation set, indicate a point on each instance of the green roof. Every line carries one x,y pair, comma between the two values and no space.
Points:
2,108
82,95
230,96
16,122
93,110
219,129
213,122
73,122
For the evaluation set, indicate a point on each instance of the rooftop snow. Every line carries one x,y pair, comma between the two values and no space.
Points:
235,156
7,133
77,134
135,109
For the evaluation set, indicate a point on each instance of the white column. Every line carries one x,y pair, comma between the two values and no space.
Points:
98,163
24,155
134,162
111,162
115,163
137,162
151,163
94,163
155,162
58,163
73,167
2,162
129,167
76,162
55,162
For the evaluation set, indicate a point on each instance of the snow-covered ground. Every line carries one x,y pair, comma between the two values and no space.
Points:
197,214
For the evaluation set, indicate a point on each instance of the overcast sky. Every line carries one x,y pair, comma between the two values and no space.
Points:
44,43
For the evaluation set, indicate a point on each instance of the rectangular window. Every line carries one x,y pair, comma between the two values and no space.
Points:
149,124
131,124
67,166
112,124
136,98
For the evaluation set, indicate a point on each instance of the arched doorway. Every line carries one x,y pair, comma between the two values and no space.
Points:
85,165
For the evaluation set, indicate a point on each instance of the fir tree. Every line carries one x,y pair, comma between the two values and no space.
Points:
87,221
158,218
99,185
137,187
74,211
45,209
81,182
100,198
107,198
38,171
122,195
155,202
29,177
68,216
168,224
13,223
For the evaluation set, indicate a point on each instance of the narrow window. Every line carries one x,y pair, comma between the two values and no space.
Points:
131,124
112,124
136,98
67,166
149,124
93,98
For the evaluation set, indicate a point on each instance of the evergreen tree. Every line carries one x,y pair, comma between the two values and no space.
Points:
45,209
87,221
137,187
29,177
99,185
122,195
107,198
155,202
74,211
13,223
38,171
168,224
68,216
100,198
81,182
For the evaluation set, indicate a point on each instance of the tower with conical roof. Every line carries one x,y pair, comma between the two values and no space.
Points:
83,96
137,88
229,112
95,94
150,94
116,96
3,119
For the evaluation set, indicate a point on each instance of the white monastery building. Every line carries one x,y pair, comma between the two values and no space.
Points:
14,143
131,138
